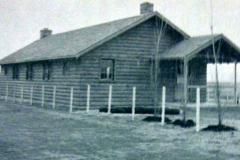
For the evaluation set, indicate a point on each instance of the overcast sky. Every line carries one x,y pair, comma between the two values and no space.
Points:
22,20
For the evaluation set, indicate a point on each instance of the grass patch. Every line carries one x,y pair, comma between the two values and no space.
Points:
139,110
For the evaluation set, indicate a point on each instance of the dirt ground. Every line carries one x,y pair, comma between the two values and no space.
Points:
35,133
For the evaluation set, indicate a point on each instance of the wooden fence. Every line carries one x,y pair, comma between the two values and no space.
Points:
84,97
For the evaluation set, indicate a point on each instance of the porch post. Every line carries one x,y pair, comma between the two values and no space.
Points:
185,87
235,82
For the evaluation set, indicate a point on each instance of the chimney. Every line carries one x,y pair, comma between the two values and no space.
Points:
146,8
45,32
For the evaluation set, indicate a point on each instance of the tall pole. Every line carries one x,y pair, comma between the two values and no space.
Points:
216,69
185,87
235,82
159,34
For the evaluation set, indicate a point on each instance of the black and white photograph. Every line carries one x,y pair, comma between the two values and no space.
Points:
119,80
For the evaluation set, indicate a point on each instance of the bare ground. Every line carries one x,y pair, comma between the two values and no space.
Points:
36,133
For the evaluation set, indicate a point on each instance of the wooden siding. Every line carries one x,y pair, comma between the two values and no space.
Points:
132,52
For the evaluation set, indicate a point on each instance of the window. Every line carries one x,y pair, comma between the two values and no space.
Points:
29,72
47,71
107,69
15,72
65,68
179,68
5,70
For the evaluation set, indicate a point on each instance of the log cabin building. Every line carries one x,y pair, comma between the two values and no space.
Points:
121,53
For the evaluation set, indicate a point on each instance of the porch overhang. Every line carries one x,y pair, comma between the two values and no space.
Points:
190,48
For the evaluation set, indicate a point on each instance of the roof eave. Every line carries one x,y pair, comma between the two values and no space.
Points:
185,35
202,47
192,54
231,43
35,60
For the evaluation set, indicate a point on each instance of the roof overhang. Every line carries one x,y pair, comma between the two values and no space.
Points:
192,54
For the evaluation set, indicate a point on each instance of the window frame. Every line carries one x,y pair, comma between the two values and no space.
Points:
113,70
29,71
15,73
5,70
47,71
179,68
65,68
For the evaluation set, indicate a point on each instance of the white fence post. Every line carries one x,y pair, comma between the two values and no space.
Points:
71,100
31,95
133,103
198,110
6,92
54,96
43,88
163,104
110,99
88,98
22,95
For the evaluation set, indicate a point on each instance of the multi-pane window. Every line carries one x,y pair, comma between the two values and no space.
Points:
47,71
107,69
5,70
65,68
15,72
29,72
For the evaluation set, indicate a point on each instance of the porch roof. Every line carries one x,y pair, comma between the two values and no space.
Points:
189,47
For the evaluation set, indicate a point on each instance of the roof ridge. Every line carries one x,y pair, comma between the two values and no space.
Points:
207,35
95,25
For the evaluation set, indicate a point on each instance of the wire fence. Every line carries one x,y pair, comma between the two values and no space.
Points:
47,95
84,97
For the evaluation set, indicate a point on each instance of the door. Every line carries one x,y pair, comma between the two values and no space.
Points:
179,88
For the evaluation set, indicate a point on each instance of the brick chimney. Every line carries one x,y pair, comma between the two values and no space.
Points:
45,32
146,8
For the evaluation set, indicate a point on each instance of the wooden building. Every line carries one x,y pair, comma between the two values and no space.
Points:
121,53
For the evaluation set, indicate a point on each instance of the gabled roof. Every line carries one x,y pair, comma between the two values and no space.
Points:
78,42
192,46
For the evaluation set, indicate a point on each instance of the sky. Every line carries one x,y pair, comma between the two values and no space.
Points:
22,20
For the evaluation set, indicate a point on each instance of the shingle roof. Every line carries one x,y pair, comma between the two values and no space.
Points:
67,44
188,47
76,43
